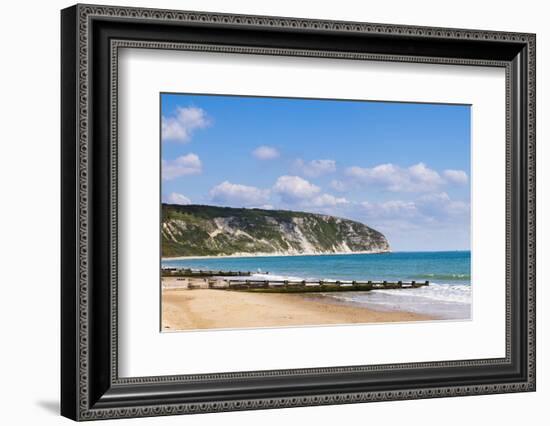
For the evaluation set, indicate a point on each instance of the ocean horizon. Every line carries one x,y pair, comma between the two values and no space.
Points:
448,296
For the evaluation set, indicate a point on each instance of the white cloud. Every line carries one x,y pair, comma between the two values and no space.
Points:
180,126
265,152
436,198
423,176
327,200
390,209
429,208
417,178
431,221
233,193
295,188
176,198
315,168
440,204
338,185
297,191
189,164
456,176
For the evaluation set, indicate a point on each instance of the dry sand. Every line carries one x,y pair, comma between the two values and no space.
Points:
206,309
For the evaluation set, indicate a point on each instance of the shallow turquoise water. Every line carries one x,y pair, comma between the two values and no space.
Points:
442,267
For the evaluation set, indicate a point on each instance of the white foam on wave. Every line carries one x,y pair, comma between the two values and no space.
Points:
458,293
446,301
262,277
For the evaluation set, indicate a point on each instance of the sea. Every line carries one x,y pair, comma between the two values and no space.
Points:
449,295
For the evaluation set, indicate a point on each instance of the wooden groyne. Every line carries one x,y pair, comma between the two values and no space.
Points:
199,273
216,280
267,286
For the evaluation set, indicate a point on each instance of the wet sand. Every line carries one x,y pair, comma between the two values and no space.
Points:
184,309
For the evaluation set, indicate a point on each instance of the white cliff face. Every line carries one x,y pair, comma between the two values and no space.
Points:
205,230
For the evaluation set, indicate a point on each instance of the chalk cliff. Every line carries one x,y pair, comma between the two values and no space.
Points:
197,230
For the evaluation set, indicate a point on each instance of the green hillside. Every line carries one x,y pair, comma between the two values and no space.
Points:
197,230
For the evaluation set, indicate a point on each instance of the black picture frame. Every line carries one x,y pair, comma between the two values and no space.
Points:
90,386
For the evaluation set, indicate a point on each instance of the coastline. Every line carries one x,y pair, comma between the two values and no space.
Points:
199,309
277,254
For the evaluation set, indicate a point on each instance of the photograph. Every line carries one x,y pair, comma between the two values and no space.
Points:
287,212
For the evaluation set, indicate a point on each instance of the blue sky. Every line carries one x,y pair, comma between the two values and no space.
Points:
401,168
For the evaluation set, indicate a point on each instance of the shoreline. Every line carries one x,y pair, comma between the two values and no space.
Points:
254,255
200,309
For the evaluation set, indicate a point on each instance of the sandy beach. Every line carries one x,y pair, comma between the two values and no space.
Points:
208,308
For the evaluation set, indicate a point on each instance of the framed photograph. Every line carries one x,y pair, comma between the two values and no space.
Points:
263,212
